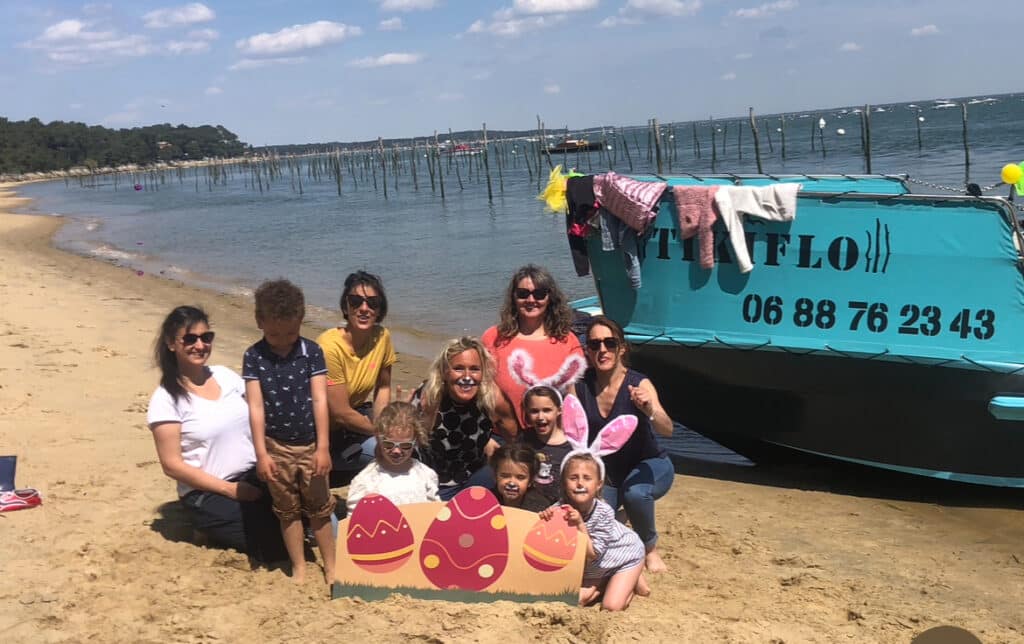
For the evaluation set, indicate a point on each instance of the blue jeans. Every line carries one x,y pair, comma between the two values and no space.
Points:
646,483
484,477
246,526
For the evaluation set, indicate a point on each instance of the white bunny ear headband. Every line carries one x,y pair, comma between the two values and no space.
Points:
608,441
520,365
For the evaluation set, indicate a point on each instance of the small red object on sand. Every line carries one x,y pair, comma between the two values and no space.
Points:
12,500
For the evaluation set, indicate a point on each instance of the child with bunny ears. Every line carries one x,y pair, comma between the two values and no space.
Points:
615,554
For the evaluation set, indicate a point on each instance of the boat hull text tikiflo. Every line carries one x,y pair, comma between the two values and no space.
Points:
876,326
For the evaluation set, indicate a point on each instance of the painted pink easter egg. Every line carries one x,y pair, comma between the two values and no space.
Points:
466,545
550,545
379,538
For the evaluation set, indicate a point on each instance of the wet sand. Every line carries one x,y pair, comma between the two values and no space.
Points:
786,553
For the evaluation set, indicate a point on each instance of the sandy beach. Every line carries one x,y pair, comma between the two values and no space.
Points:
787,553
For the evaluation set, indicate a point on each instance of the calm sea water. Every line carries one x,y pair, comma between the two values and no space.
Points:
445,262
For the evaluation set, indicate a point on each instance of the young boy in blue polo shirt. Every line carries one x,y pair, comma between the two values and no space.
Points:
286,387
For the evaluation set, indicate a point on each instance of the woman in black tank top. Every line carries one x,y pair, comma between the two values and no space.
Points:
640,472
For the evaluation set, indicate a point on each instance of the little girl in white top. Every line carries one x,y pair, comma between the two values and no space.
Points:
395,474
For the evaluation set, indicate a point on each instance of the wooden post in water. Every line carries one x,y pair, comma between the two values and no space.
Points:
714,145
657,143
917,122
650,144
383,166
725,138
458,173
967,149
499,149
696,141
437,158
782,132
547,150
768,131
487,167
757,141
625,148
814,124
412,166
867,138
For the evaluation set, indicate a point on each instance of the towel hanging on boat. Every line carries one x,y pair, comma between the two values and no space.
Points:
579,196
634,202
695,212
776,202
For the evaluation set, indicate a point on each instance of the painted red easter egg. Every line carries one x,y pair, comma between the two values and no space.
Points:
550,545
379,538
466,545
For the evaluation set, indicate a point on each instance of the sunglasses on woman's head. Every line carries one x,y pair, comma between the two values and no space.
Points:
355,301
191,338
610,343
538,294
405,446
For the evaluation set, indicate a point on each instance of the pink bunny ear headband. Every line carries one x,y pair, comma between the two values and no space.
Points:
608,441
520,365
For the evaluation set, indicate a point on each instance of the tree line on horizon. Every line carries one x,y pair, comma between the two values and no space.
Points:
34,146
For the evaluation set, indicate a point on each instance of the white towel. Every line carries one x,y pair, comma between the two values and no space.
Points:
776,202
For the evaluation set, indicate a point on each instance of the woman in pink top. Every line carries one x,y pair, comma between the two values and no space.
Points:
533,342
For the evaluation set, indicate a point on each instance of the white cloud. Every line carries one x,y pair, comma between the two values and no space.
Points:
729,76
76,106
189,14
391,24
406,5
386,60
213,91
552,6
765,10
925,30
511,27
188,46
552,89
72,30
849,46
251,63
482,75
615,21
297,38
665,7
449,97
743,56
203,34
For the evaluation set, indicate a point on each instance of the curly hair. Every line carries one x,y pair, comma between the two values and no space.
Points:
279,300
557,317
400,415
182,317
436,386
368,280
516,452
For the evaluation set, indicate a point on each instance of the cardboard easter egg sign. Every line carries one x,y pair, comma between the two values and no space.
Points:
466,545
378,537
550,545
469,549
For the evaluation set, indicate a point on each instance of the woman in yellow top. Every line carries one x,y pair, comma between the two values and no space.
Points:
359,358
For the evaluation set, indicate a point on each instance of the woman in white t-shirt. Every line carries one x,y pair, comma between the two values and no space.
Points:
200,423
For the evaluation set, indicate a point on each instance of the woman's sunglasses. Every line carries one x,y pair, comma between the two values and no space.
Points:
405,446
610,343
355,301
538,294
191,338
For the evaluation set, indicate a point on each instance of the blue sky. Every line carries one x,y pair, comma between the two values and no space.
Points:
294,71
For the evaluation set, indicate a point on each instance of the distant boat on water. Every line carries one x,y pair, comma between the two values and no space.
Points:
463,150
574,145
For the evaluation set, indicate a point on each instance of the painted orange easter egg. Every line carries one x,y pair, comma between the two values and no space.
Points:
466,545
379,538
550,545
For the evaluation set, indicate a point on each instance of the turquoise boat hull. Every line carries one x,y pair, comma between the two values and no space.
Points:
878,327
